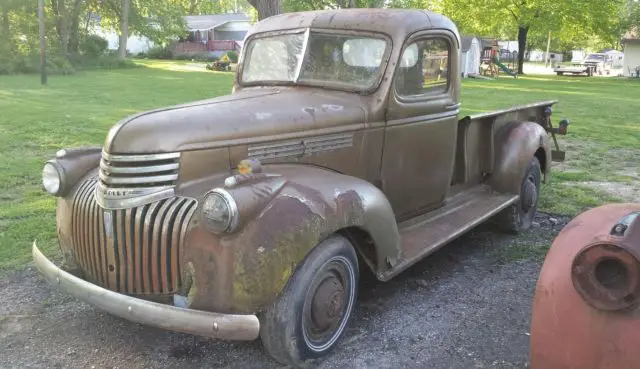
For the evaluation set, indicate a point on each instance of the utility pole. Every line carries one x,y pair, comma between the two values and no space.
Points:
43,44
547,58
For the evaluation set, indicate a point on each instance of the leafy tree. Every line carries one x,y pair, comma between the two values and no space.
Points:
524,18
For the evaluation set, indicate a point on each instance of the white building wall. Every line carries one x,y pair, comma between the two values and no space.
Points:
631,58
135,44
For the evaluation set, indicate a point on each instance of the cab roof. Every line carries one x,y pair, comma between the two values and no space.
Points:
396,23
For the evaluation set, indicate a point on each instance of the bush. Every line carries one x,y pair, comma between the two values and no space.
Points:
233,56
159,52
94,45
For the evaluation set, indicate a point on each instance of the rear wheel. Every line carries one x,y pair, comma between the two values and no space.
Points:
560,73
519,216
311,315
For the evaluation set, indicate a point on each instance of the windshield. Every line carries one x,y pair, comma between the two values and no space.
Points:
328,59
595,57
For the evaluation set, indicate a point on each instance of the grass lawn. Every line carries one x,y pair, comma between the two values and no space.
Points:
603,145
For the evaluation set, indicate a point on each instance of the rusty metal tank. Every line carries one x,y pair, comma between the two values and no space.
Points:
586,312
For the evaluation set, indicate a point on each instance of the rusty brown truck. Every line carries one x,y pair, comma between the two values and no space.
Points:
251,215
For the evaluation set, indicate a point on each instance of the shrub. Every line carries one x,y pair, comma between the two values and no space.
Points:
233,56
159,52
94,45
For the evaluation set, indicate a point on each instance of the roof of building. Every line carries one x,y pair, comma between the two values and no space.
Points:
397,23
465,43
205,22
631,36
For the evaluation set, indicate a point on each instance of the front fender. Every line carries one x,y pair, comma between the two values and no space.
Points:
515,145
254,264
569,331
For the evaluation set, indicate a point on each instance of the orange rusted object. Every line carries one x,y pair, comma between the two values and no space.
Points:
585,311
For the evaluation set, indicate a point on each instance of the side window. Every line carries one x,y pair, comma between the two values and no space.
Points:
423,68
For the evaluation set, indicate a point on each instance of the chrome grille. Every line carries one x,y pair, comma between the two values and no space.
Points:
133,251
132,180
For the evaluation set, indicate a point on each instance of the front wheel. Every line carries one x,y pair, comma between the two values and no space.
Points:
311,315
518,217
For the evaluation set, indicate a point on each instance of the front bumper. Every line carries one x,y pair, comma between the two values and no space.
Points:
202,323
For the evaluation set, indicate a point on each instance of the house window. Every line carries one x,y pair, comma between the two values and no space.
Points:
423,68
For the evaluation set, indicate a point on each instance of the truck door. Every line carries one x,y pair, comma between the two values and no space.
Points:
421,124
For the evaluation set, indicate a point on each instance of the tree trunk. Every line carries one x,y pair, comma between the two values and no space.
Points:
62,23
124,30
522,44
266,8
75,26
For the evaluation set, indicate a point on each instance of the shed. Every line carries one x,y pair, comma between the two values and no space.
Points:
631,59
470,56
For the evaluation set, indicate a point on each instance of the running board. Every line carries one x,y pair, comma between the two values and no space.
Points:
427,233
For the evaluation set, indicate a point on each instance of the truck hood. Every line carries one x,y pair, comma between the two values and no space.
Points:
244,117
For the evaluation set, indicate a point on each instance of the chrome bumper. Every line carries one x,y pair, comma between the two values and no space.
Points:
202,323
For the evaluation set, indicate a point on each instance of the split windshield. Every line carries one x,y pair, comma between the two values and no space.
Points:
328,59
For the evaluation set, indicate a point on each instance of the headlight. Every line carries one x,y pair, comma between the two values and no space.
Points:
52,178
219,211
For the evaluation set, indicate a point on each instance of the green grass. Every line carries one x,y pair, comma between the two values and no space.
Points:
76,110
71,111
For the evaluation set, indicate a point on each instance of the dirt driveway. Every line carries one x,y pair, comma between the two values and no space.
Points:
468,306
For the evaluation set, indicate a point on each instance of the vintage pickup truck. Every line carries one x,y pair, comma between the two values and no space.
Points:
252,215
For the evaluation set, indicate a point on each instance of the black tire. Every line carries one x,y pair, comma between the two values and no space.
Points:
519,216
559,73
327,278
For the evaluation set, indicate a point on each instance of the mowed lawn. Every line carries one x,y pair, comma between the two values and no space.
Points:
603,145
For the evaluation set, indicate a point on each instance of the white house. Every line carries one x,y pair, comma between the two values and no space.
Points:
222,29
218,27
470,56
135,44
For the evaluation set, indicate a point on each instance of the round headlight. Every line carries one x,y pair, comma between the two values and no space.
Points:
219,211
51,178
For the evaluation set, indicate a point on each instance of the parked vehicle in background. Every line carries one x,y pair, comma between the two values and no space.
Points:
598,63
601,62
253,214
585,311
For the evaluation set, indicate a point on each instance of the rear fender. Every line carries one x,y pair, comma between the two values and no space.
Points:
516,145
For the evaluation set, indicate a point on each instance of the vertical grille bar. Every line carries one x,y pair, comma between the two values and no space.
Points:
130,246
138,233
181,229
117,251
93,231
101,246
143,252
156,263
